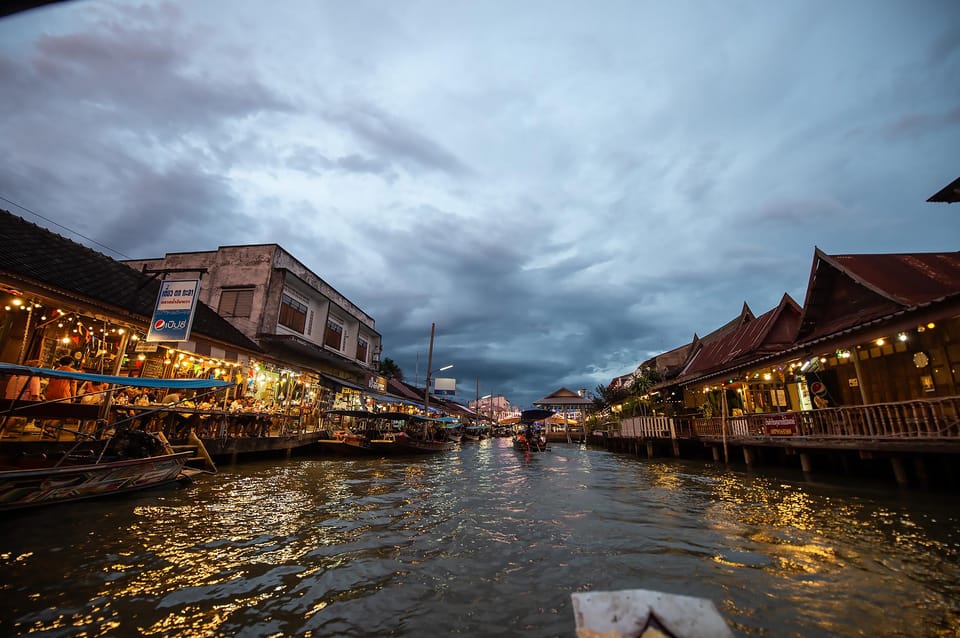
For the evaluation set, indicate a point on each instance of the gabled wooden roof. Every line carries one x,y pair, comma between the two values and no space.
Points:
44,262
949,194
754,338
845,291
699,344
563,397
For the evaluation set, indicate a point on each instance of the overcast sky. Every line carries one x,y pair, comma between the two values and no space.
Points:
564,188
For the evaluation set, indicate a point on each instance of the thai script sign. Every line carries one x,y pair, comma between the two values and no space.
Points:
780,425
173,314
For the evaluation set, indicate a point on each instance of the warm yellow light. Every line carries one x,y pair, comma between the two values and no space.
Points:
141,356
184,363
766,376
65,340
931,325
17,302
166,362
902,336
120,331
880,341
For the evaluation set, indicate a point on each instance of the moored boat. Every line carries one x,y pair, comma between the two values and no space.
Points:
388,434
43,480
111,458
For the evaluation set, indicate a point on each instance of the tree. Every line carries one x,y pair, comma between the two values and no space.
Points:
390,369
643,380
605,396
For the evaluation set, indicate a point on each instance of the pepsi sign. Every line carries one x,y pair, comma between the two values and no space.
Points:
173,314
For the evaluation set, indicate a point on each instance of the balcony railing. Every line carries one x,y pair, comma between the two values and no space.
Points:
928,419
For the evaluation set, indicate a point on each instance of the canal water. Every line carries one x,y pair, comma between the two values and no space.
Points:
481,542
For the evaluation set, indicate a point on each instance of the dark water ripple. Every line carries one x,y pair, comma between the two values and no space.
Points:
481,542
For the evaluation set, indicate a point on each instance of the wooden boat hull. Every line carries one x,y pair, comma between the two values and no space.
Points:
411,445
340,447
522,445
29,487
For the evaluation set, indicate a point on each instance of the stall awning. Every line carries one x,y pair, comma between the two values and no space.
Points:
343,382
384,398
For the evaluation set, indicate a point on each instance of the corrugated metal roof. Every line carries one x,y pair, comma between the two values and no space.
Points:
770,332
845,291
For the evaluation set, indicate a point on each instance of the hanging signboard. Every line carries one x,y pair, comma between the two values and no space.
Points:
173,314
780,425
443,387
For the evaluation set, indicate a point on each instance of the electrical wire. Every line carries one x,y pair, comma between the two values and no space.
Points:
70,230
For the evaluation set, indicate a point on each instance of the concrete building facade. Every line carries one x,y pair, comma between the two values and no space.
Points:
287,309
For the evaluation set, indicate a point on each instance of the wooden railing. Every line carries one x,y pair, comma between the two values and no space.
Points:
932,419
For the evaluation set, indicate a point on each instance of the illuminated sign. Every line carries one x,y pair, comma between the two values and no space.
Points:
173,314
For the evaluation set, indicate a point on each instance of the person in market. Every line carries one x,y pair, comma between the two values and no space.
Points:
22,387
61,391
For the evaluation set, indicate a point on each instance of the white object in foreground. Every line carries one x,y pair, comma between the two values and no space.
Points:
642,613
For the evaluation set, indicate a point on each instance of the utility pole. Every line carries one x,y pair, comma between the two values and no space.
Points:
426,391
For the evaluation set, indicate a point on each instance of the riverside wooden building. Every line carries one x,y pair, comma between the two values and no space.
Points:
865,375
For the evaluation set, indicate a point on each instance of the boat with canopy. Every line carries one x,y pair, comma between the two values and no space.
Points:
111,457
530,434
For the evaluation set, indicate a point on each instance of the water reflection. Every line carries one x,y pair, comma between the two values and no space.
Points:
480,542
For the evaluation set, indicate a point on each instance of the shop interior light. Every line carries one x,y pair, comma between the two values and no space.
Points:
880,341
17,302
902,336
931,325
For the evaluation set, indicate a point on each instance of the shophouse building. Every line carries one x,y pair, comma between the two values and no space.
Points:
290,312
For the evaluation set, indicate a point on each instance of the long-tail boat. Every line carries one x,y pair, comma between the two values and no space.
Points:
93,452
